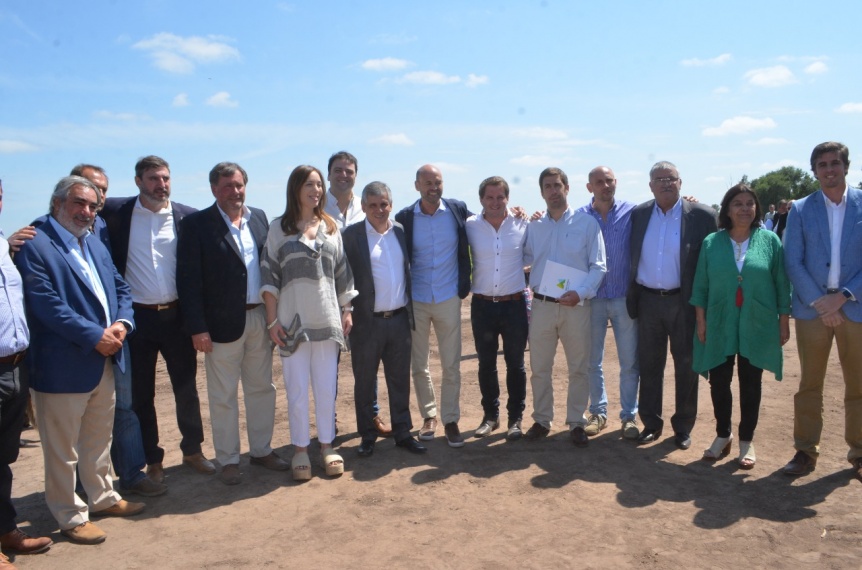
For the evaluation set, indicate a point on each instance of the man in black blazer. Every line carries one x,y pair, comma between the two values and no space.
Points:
376,250
667,233
440,271
218,281
143,234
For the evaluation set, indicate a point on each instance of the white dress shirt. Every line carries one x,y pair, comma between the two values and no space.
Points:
151,268
354,210
659,263
835,215
84,261
498,255
248,252
387,269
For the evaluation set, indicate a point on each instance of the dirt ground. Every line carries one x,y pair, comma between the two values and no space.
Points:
491,504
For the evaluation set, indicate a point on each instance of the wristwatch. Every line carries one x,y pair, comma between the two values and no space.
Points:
847,294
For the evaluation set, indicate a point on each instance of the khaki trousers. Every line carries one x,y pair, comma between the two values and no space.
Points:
446,318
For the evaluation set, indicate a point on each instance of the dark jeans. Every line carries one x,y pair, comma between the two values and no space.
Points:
490,321
161,331
13,408
127,447
389,341
720,378
661,319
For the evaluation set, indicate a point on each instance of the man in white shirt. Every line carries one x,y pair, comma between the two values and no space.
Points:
822,248
498,308
572,239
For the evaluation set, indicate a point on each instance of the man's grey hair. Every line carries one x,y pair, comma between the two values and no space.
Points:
663,165
65,185
376,188
226,169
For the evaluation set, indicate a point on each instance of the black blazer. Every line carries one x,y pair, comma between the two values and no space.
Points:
212,280
117,213
359,258
461,213
698,221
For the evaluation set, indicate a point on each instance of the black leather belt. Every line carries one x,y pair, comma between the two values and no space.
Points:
513,297
541,297
389,314
14,359
661,292
162,307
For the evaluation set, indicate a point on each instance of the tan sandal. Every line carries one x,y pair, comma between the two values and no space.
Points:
720,448
746,458
300,466
331,462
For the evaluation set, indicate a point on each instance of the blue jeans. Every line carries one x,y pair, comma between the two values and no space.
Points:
626,338
506,319
127,449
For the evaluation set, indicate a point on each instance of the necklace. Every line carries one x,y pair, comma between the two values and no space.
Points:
740,248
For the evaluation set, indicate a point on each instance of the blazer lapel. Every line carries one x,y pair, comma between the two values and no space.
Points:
222,230
851,218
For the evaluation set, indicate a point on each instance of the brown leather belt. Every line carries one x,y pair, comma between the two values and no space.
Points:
661,292
513,297
541,297
14,359
389,314
162,307
250,306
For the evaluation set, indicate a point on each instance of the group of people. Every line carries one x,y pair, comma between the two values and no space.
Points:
335,270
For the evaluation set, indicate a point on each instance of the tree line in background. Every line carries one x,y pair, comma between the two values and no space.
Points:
786,183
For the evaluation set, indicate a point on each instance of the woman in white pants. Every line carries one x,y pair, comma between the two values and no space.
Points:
307,289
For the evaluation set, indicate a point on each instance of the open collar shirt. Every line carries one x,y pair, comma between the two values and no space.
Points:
14,334
151,269
244,240
616,231
498,255
435,255
387,269
659,262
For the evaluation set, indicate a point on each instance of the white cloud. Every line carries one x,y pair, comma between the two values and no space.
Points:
739,126
777,76
721,90
849,108
816,68
540,133
221,99
10,147
476,80
532,160
718,60
112,116
429,78
176,54
181,100
385,64
768,141
394,139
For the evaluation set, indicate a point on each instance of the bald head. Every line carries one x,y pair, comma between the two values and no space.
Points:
602,185
429,184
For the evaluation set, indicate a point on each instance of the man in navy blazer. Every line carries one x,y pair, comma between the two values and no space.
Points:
376,250
79,311
440,269
823,259
665,243
218,280
143,233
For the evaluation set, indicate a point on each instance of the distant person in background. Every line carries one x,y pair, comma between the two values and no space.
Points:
779,220
741,298
771,213
822,254
307,288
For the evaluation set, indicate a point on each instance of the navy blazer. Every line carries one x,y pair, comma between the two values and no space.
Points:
698,221
808,253
461,213
212,280
359,258
66,319
117,214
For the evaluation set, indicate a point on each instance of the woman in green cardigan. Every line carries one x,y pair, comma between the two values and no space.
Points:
742,301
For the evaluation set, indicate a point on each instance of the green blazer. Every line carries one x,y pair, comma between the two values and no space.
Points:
751,330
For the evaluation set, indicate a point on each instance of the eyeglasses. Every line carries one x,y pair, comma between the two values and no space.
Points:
666,180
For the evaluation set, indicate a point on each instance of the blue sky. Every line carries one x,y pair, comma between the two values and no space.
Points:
478,88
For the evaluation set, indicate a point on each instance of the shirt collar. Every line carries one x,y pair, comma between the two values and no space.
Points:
66,236
369,229
418,208
166,210
246,215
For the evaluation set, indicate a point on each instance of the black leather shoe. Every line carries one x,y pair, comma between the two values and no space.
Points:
649,436
366,448
412,445
579,437
682,440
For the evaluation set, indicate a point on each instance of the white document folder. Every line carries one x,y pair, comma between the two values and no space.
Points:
558,278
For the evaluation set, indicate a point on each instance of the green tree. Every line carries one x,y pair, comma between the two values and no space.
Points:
786,183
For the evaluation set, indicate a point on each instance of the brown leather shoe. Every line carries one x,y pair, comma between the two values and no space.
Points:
199,463
230,474
857,468
121,508
453,435
5,564
383,430
579,436
19,542
271,461
801,464
85,533
146,487
429,426
156,472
